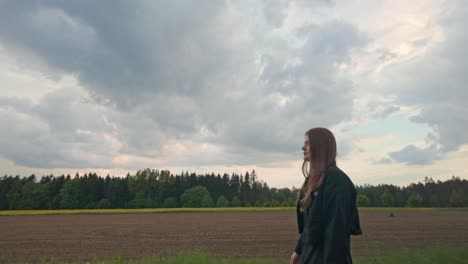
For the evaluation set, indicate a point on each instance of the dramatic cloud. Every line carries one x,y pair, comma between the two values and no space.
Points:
435,83
413,155
158,75
232,84
60,131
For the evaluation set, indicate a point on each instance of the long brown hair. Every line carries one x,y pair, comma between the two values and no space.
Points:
322,151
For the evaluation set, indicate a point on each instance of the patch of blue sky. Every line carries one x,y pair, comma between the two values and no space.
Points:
402,130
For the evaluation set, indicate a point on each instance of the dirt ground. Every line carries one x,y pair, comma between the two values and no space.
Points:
245,234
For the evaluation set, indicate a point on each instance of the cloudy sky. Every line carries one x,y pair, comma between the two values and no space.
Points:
231,86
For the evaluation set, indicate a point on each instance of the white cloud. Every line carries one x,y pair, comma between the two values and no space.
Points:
235,84
436,84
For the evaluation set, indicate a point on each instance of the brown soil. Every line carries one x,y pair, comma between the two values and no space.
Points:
246,234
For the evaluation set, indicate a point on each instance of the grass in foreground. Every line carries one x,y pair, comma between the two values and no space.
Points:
186,257
428,255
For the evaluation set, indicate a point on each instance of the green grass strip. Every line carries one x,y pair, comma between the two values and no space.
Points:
429,255
144,211
411,209
442,254
204,210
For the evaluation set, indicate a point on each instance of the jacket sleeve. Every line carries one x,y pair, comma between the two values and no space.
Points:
355,223
336,224
298,248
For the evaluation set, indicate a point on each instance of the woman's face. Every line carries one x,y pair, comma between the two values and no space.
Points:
305,148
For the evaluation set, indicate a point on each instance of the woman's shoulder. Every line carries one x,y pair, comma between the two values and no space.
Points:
334,176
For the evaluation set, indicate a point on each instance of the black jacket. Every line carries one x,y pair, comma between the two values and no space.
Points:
325,227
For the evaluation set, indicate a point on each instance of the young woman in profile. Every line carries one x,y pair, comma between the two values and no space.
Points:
326,208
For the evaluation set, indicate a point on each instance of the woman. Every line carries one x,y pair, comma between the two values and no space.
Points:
326,209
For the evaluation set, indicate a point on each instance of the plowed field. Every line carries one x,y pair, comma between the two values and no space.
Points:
245,234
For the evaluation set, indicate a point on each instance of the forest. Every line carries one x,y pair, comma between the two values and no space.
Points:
150,188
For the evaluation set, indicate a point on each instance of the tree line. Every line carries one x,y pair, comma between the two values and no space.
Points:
148,188
151,188
429,193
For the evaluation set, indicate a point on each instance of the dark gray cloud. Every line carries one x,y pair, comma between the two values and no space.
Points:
124,51
180,70
412,155
436,83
